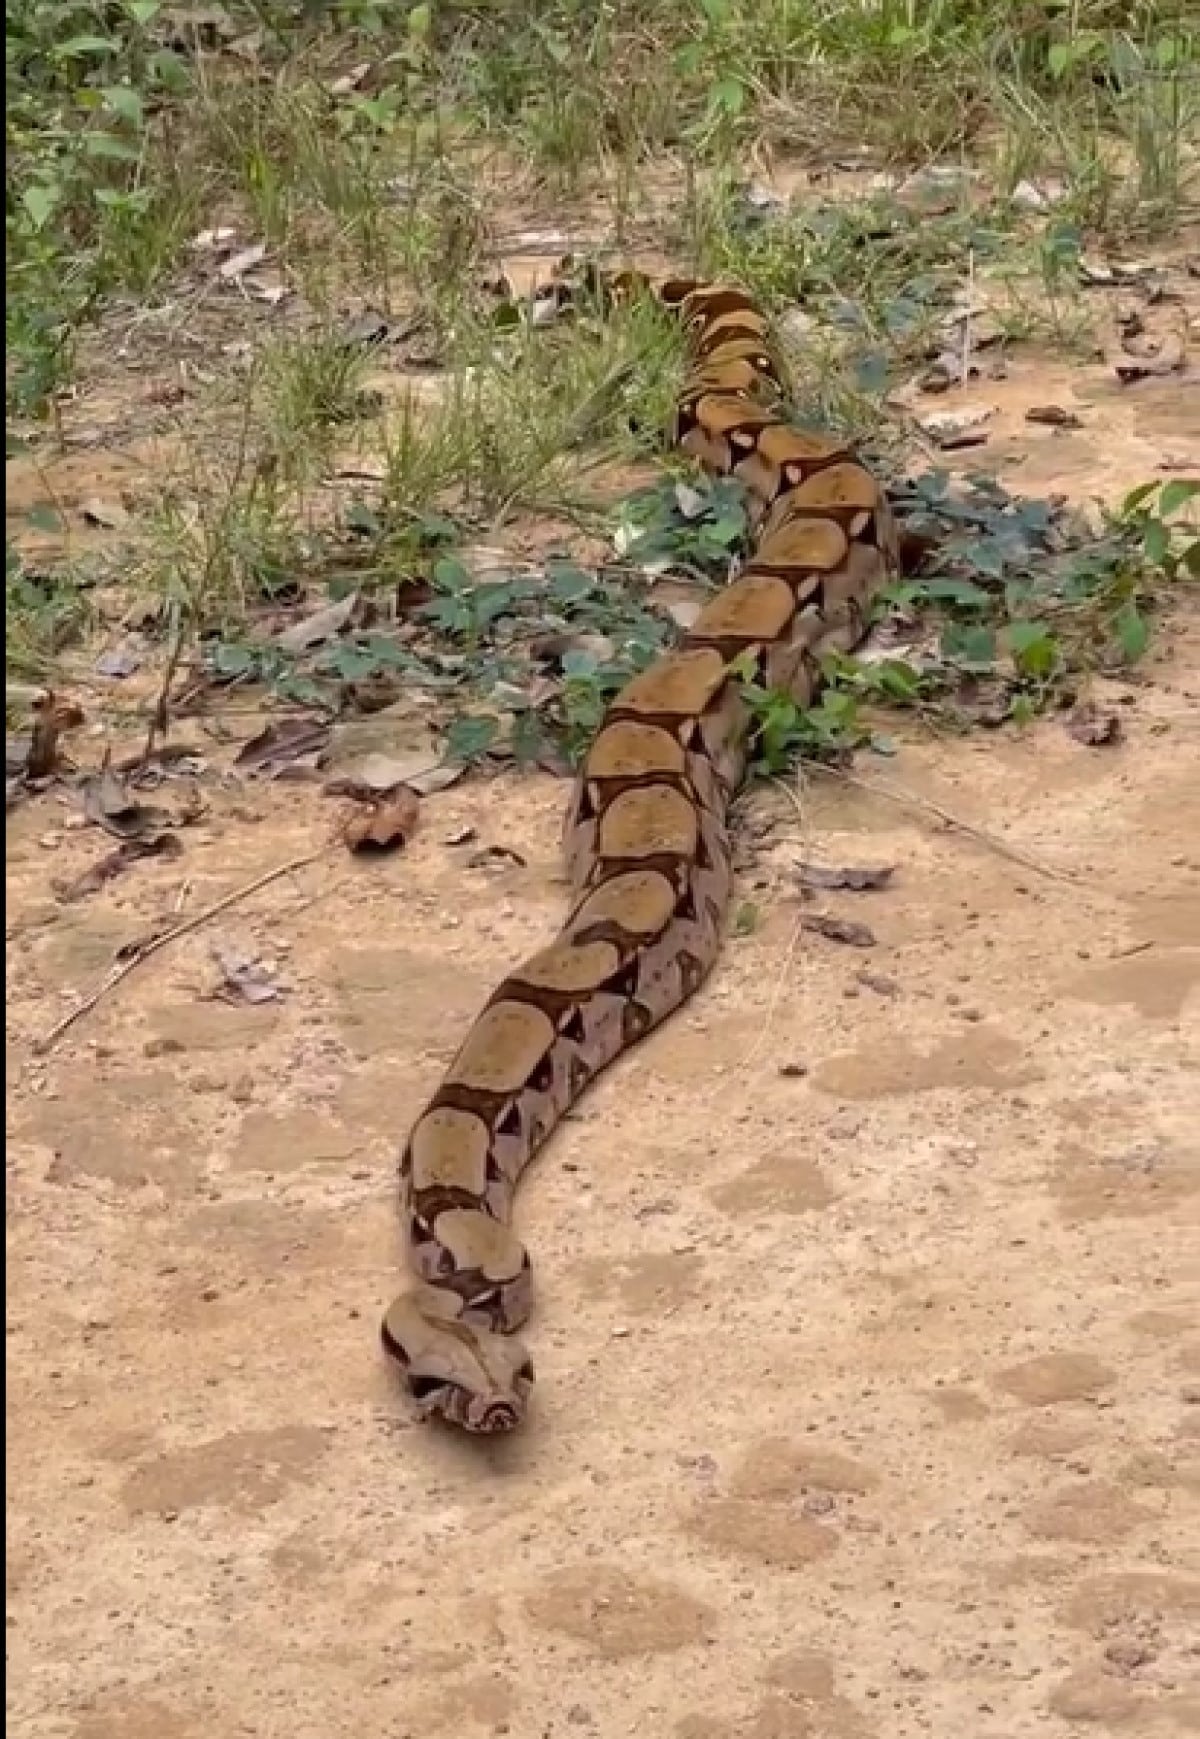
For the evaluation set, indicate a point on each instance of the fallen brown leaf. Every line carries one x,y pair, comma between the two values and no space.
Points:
322,625
52,717
815,875
239,264
111,515
1093,725
129,852
109,803
119,661
495,854
387,824
377,774
839,930
1169,358
244,978
282,744
1053,416
958,428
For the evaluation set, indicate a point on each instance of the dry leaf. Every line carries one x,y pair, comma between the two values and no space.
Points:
321,626
268,290
376,774
958,428
240,263
210,239
685,612
129,852
119,661
1054,416
553,648
495,854
814,875
244,978
1169,358
1092,725
690,502
839,930
282,744
386,824
109,514
349,81
110,804
368,328
51,719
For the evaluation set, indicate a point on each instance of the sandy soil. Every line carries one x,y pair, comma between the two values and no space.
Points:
866,1330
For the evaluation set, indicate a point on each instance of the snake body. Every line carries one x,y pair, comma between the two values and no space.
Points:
649,859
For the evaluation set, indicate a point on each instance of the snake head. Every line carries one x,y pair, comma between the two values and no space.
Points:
485,1414
456,1369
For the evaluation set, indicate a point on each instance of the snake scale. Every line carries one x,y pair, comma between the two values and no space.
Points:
648,855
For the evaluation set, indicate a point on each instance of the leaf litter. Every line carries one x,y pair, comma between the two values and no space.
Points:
299,740
835,929
109,803
386,824
245,978
108,868
813,875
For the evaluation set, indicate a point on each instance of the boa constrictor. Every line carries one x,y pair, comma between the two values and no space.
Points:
648,854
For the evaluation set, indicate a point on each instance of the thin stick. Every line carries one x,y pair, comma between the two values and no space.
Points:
153,944
910,800
160,718
965,360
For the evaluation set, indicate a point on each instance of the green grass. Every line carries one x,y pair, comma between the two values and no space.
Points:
376,149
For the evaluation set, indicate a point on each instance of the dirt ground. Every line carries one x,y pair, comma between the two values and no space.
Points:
866,1328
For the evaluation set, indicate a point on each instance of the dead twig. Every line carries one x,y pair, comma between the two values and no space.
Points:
911,800
152,945
160,718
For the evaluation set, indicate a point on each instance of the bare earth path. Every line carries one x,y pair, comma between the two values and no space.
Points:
866,1335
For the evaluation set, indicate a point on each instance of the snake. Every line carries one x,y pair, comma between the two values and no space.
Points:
648,852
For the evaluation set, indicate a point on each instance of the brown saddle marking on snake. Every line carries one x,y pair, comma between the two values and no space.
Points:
648,852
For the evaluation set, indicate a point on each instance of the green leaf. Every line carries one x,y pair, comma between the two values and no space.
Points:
142,11
77,47
1133,632
964,593
985,556
971,646
1156,542
569,584
420,23
108,145
1137,498
450,575
897,679
871,373
728,96
1034,649
124,101
1177,494
528,738
234,660
470,736
40,201
745,919
45,518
